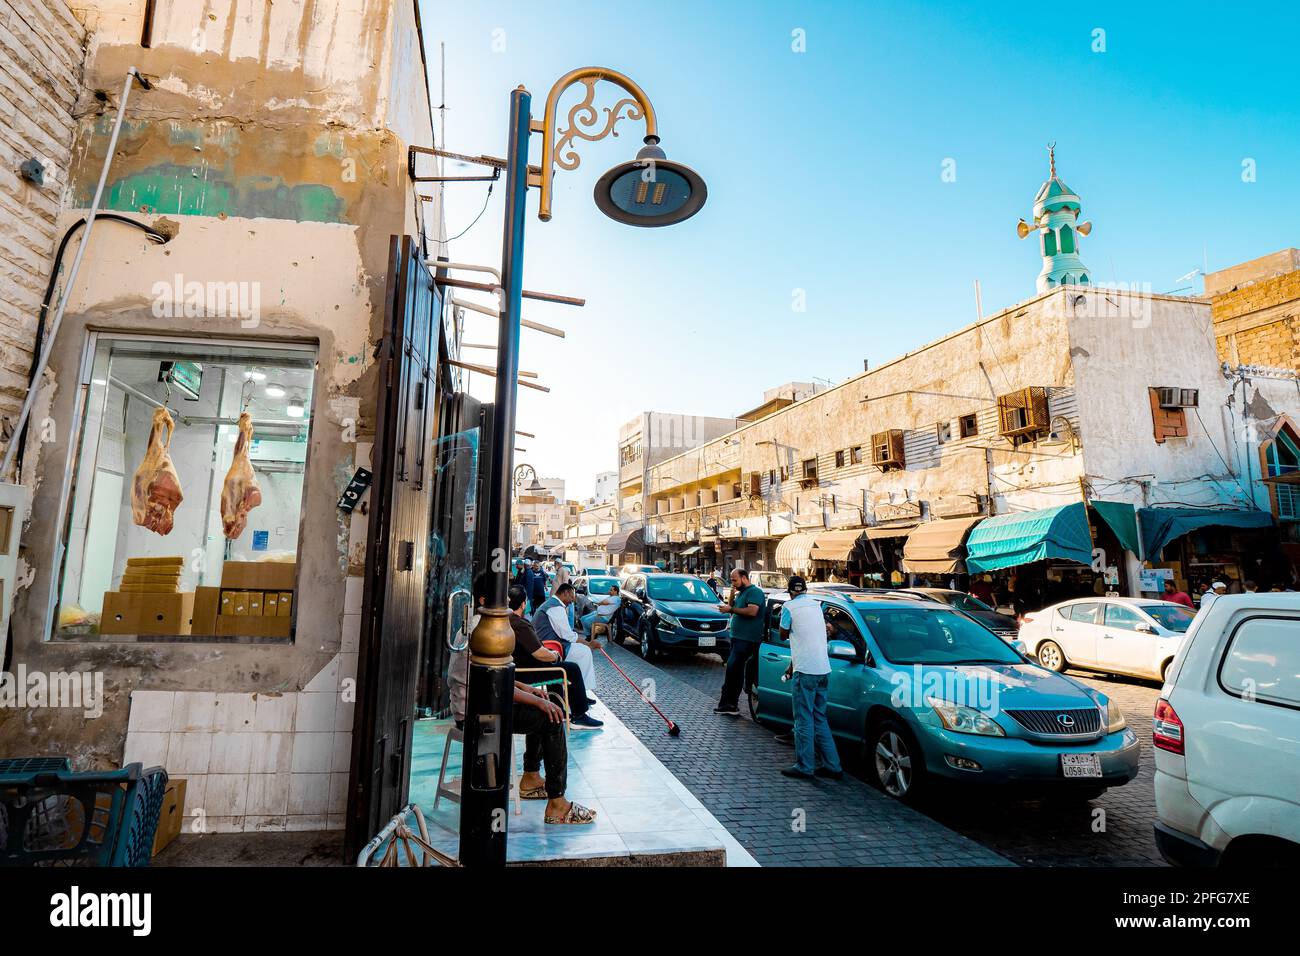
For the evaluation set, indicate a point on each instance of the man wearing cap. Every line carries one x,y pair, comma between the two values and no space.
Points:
1212,594
807,631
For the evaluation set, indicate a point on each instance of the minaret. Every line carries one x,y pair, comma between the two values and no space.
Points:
1056,220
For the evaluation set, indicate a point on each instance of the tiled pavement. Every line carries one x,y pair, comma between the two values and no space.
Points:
731,766
1029,832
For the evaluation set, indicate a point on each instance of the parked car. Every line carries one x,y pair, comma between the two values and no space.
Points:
629,569
663,611
933,695
1003,625
595,585
1227,737
1133,636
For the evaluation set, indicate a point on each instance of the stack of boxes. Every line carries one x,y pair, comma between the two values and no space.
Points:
255,600
149,599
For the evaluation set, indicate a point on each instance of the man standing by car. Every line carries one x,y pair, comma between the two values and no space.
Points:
807,632
1178,597
746,610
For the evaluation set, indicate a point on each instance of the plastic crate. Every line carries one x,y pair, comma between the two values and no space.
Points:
53,816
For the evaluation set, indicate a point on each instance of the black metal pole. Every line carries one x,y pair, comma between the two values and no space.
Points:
486,777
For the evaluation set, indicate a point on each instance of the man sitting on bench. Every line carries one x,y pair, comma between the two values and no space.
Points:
530,652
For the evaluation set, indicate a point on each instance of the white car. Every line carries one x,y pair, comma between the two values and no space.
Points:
1226,736
1132,636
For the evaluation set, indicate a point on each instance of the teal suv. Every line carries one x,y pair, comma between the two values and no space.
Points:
932,695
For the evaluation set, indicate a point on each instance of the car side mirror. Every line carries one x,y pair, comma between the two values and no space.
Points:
640,594
1145,629
842,651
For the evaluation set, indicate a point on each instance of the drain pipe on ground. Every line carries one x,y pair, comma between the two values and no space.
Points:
132,76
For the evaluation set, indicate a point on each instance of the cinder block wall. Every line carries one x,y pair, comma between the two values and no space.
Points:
1259,323
42,51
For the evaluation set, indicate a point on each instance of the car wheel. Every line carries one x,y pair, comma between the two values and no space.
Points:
895,761
615,638
1051,656
648,649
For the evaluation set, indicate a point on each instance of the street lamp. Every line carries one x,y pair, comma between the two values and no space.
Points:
672,193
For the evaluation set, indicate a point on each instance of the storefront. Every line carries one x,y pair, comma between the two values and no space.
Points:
1032,559
838,555
627,547
1198,546
881,564
792,552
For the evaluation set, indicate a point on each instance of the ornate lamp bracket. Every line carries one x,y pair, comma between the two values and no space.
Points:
558,145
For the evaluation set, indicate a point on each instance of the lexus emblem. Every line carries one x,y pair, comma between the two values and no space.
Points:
1065,720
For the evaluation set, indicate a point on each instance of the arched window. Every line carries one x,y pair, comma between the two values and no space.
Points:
1083,278
1067,240
1049,243
1065,279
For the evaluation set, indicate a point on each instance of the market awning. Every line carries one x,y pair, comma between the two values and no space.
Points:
1120,517
938,547
835,545
792,550
1005,541
693,549
1162,525
893,531
625,542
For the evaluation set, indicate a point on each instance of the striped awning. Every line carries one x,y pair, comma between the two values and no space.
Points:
792,551
836,545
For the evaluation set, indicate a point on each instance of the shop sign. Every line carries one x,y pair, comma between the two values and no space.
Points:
897,512
955,506
1153,579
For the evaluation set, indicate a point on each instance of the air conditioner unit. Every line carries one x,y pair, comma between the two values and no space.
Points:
1170,397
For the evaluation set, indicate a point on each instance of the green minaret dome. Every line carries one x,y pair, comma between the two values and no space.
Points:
1056,221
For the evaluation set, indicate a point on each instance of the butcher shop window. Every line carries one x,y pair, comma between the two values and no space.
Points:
188,490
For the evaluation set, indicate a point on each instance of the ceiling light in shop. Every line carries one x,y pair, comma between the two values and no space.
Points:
255,376
296,408
275,390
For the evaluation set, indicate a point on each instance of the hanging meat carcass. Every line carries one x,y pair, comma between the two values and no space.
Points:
155,489
240,494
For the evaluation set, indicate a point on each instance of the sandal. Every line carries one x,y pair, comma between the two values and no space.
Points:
575,814
533,793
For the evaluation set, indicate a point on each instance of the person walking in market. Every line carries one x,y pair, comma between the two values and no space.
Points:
746,609
807,632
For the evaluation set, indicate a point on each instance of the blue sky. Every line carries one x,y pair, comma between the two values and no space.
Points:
825,175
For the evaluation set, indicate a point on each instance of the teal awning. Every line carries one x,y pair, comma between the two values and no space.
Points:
1008,540
1121,517
1162,525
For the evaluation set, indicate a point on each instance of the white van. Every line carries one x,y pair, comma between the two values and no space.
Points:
1226,735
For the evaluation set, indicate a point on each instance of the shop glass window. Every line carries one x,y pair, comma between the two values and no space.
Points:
139,562
1262,662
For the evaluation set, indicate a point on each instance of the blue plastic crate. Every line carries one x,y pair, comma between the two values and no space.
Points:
53,816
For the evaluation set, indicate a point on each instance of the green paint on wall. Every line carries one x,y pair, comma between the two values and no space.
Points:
201,190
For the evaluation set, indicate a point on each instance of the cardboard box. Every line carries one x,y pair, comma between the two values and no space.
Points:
286,604
133,612
271,604
245,626
259,575
238,604
172,816
207,605
254,603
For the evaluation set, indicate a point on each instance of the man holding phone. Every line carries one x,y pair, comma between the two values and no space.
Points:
746,610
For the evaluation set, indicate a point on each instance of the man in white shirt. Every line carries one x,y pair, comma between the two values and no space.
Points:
1212,594
807,631
551,622
605,608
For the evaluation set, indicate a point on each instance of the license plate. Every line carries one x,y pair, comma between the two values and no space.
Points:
708,640
1081,765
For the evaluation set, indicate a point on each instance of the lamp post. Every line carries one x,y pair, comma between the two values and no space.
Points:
649,190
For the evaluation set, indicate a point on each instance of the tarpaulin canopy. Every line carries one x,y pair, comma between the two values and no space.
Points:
938,547
1006,541
894,531
693,549
626,542
792,550
1162,525
1121,517
835,545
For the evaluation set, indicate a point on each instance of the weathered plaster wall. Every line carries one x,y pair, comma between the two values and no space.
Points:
267,150
42,47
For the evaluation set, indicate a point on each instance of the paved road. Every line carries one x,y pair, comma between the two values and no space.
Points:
731,767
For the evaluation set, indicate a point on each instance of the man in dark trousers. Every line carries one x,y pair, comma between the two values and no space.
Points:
746,610
537,586
530,652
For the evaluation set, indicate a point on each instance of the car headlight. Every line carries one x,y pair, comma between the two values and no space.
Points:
966,720
667,621
1112,717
